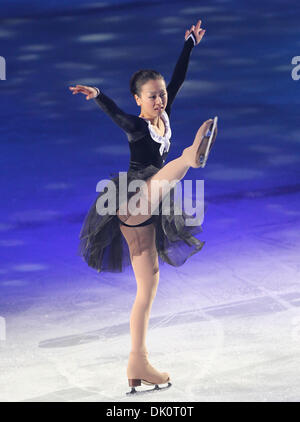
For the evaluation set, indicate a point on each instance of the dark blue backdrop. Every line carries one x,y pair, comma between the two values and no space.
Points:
55,147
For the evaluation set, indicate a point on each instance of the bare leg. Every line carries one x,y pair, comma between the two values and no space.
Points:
144,259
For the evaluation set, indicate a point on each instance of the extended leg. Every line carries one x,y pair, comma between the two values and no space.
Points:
172,172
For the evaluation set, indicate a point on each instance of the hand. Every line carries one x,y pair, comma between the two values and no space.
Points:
86,90
198,32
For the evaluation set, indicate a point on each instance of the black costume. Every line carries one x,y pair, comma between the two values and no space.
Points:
102,244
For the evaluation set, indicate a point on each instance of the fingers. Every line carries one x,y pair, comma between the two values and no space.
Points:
193,28
197,29
73,89
80,88
86,90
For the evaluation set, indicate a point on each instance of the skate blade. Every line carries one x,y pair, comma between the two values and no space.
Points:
201,155
210,135
156,388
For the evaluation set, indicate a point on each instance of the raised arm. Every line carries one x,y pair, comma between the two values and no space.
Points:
192,38
125,121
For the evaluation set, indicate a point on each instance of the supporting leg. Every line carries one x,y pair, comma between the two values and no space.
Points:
144,259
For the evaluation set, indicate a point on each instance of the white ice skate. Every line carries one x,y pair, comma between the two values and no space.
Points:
139,371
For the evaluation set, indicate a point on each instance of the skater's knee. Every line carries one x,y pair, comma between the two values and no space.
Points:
155,270
146,265
151,259
155,266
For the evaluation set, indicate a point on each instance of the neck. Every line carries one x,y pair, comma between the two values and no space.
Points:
153,120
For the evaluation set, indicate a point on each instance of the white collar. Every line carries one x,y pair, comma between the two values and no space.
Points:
163,140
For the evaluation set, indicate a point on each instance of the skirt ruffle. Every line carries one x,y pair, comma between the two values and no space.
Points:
103,247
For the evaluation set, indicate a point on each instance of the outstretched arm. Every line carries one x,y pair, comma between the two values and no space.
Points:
125,121
192,38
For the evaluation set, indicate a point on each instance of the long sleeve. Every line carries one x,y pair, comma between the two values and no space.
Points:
180,70
125,121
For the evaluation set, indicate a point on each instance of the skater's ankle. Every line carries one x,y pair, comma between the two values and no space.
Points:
185,157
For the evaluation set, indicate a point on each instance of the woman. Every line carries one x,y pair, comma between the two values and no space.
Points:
148,236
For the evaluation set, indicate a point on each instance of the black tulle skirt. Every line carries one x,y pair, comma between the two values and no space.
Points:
104,248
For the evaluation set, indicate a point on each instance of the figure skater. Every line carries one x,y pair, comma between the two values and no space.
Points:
147,236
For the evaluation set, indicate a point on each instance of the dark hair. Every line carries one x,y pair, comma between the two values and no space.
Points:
141,77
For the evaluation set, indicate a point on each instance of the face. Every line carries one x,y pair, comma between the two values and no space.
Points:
154,97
